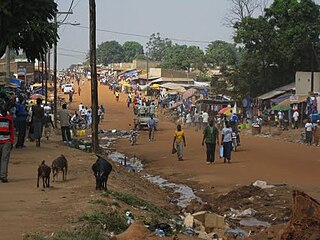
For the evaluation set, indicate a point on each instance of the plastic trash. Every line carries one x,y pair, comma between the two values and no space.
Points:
262,184
189,232
160,233
221,151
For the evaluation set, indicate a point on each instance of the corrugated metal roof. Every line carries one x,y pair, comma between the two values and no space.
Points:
278,91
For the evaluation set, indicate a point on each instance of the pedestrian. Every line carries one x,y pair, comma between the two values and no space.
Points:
205,119
70,96
79,90
180,141
196,120
37,119
80,107
64,117
309,130
117,96
189,119
280,117
21,122
295,117
82,82
128,101
151,127
102,112
89,118
211,138
47,122
6,139
227,142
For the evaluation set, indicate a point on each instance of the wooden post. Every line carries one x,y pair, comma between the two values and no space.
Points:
94,85
55,95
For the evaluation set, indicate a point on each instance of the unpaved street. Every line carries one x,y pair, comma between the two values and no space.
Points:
24,208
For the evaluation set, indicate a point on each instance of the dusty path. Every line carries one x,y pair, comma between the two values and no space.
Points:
24,208
258,158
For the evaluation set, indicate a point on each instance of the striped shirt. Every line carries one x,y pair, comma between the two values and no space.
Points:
6,129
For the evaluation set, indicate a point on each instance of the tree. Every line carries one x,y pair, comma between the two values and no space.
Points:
27,26
132,50
279,43
182,57
222,54
157,47
110,52
241,9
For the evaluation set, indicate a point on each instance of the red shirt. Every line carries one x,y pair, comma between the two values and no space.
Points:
6,129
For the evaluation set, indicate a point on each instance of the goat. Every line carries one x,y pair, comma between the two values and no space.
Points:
59,164
44,172
101,169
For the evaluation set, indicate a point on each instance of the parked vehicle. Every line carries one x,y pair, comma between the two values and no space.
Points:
142,115
66,88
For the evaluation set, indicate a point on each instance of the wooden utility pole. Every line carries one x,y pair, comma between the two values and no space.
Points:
94,84
46,78
8,64
55,95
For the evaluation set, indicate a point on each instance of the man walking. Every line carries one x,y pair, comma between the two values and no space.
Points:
65,124
6,140
211,138
151,126
295,117
21,121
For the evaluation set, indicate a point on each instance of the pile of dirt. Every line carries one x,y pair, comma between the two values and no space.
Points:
271,205
305,220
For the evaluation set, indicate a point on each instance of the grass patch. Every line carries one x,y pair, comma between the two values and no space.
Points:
138,202
112,221
105,203
87,233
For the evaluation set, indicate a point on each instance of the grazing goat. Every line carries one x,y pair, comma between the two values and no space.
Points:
101,169
59,164
44,173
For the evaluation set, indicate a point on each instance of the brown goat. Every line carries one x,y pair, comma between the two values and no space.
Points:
44,172
59,164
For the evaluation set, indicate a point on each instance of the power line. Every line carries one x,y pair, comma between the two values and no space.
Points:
71,50
76,4
145,36
65,18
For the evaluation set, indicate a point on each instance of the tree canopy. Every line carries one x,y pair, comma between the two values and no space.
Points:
220,53
132,50
283,40
27,26
110,52
157,47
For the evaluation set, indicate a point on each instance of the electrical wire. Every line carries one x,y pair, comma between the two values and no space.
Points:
65,18
75,5
145,36
71,50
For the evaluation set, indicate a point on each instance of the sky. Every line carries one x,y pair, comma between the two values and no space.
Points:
187,20
195,20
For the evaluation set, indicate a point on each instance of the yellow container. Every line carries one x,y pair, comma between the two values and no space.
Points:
81,133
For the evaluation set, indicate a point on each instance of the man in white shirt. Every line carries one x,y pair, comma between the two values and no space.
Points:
205,119
295,117
309,131
280,117
80,107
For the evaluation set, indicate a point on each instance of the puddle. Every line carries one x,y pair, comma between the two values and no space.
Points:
253,222
186,194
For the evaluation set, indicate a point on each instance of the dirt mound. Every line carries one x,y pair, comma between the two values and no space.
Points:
305,220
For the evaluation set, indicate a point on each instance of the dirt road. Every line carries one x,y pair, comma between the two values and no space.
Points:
25,208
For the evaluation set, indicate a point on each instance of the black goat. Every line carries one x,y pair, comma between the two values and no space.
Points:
59,164
44,173
101,169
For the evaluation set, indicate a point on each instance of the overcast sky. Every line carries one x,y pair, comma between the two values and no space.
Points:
200,20
196,20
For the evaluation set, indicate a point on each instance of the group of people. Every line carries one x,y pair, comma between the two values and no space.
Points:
312,131
210,139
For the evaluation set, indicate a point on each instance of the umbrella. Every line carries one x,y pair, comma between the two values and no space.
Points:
36,96
155,86
189,93
281,108
226,111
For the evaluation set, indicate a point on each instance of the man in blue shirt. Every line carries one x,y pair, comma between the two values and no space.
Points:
151,126
21,122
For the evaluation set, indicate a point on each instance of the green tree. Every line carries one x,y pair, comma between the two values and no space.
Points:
27,26
110,52
279,43
222,54
157,47
182,57
132,50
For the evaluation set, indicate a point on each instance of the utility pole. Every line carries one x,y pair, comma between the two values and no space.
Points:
312,67
94,84
8,63
55,95
45,79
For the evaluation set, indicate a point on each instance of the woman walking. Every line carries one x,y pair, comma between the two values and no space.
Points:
37,118
227,142
180,141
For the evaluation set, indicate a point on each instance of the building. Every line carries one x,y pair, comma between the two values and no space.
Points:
303,83
21,69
